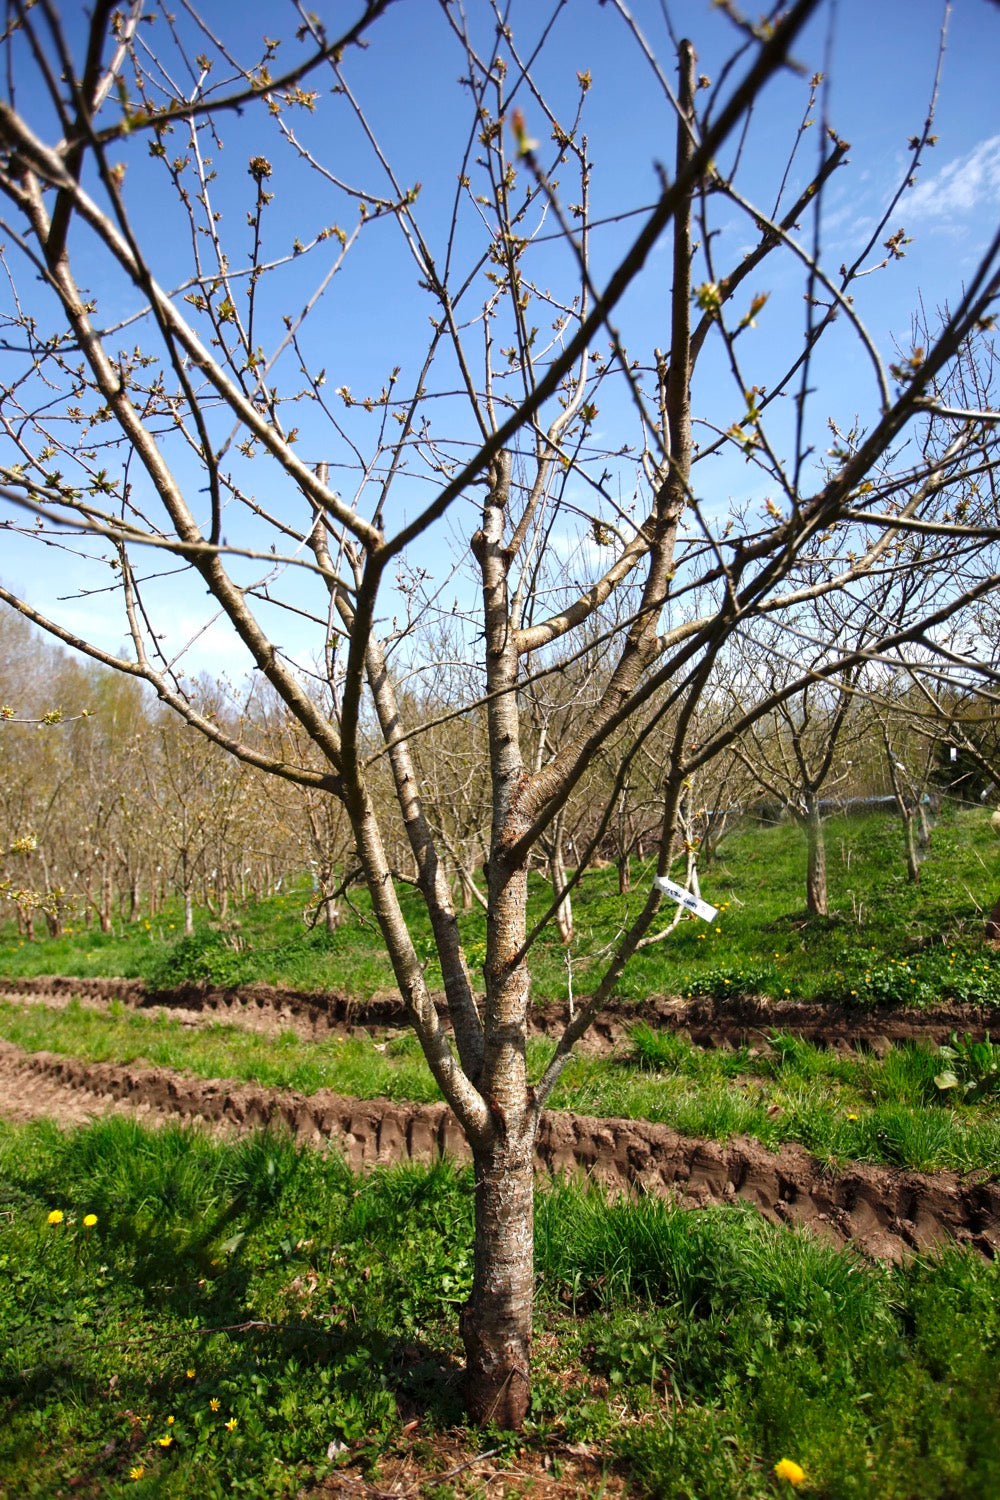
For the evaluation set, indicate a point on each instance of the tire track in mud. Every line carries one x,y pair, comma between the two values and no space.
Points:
884,1213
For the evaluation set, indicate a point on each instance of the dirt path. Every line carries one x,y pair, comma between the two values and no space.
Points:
886,1214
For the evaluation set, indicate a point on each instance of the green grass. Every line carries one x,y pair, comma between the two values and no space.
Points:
769,1345
349,1065
841,1108
886,942
270,1304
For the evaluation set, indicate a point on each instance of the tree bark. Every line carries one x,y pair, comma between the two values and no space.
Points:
816,890
924,835
107,896
496,1320
992,931
557,878
910,836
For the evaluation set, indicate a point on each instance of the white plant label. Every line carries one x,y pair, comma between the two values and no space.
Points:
685,898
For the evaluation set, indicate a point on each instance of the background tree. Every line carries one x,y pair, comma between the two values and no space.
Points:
169,406
799,750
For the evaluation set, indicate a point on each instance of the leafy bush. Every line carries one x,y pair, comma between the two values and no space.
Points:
935,976
734,982
207,957
973,1070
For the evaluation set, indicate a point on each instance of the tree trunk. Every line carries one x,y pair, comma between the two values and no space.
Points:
557,876
992,932
624,875
816,893
910,837
496,1320
924,836
107,895
188,914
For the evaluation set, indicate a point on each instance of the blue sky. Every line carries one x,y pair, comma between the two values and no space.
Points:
880,57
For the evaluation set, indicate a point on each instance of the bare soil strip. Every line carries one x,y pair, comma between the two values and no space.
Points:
706,1022
883,1213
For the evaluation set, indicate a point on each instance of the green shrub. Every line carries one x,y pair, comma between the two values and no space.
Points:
973,1070
208,957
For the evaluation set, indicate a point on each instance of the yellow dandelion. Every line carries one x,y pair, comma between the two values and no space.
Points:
166,1440
787,1468
89,1220
213,1405
137,1471
189,1374
232,1424
852,1117
56,1216
170,1421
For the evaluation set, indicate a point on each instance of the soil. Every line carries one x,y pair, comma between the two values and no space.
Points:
560,1472
884,1213
739,1021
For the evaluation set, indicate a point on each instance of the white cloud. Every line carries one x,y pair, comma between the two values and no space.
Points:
967,183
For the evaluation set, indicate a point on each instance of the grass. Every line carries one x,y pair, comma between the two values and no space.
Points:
245,1318
861,1107
886,942
274,1317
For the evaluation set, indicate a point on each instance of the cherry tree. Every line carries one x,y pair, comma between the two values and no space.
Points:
517,439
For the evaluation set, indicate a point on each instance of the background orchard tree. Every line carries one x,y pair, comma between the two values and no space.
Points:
800,750
510,445
911,760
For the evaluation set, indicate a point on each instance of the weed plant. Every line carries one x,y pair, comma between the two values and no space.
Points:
180,1317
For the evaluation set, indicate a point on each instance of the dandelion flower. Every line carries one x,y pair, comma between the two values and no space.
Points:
189,1374
89,1220
213,1405
166,1440
852,1117
232,1424
787,1468
137,1471
170,1421
56,1216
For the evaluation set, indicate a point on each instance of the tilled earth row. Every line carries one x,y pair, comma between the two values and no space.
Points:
883,1212
743,1020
